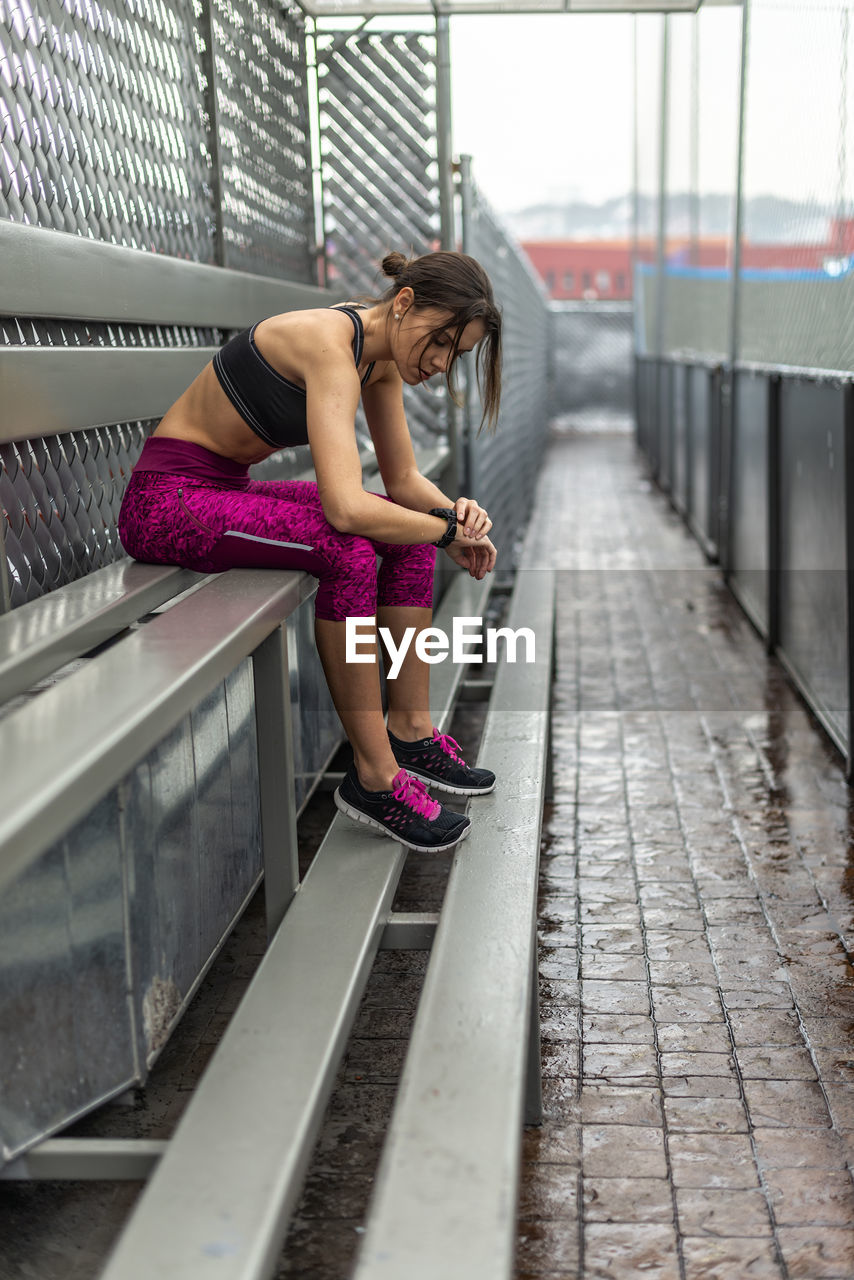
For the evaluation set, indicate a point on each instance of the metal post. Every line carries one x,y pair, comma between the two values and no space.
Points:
773,532
636,230
661,253
313,76
467,460
728,415
443,132
276,774
848,437
208,60
663,140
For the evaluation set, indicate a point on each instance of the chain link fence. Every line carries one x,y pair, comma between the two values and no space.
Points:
380,175
796,293
501,469
593,380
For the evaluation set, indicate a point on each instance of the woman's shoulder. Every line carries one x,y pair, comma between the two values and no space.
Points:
304,331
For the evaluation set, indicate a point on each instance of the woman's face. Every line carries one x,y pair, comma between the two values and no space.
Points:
417,360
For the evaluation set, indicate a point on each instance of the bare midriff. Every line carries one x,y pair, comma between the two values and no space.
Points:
204,415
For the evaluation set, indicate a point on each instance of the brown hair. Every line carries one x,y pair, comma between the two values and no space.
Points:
456,283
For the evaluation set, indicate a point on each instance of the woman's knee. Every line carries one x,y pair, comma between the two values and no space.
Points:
348,585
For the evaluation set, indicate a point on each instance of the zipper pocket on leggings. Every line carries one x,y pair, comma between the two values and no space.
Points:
187,512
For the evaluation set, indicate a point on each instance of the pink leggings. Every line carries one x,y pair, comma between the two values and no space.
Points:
168,518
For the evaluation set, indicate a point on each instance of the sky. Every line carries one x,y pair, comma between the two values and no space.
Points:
552,91
544,103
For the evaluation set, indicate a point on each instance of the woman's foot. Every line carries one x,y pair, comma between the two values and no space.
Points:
437,762
406,813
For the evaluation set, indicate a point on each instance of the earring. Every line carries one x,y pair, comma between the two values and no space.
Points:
397,315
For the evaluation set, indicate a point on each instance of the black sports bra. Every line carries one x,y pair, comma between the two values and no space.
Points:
269,403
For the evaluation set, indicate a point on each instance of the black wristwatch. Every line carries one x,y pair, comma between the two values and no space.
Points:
449,514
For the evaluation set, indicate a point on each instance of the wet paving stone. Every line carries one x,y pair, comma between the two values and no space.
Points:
727,1259
712,1160
720,1212
641,1200
818,1256
616,1249
811,1197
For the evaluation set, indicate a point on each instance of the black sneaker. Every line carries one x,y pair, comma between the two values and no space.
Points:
436,761
406,813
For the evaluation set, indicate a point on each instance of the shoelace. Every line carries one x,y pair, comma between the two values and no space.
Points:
447,744
414,795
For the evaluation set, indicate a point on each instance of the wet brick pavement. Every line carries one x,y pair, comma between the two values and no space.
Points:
697,915
697,912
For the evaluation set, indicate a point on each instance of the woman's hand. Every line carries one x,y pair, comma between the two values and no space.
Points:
471,518
478,557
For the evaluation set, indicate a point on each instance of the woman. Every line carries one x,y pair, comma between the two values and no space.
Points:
297,378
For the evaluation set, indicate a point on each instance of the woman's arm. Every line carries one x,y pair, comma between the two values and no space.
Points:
404,483
332,397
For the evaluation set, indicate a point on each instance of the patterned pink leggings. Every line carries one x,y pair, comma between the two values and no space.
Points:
270,524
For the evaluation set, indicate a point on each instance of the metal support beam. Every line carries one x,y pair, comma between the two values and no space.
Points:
728,400
208,56
444,140
86,1159
274,728
409,931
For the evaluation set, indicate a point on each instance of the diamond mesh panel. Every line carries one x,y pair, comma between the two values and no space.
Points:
503,468
105,115
60,495
103,123
377,97
264,146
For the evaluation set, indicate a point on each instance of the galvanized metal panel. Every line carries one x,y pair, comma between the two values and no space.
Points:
226,871
163,892
813,618
65,981
750,495
99,969
38,1062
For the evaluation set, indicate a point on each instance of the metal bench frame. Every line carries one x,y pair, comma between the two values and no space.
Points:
224,1187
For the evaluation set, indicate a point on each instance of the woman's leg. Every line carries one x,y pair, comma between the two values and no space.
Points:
409,693
355,689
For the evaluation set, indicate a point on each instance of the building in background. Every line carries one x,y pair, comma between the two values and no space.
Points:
601,270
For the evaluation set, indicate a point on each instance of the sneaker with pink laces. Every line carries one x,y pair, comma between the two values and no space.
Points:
437,762
407,813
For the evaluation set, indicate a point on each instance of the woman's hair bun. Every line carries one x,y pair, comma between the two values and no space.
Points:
394,264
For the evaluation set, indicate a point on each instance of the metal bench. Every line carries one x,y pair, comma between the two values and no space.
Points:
445,1196
220,1199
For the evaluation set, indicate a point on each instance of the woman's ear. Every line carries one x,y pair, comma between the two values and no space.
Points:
403,301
